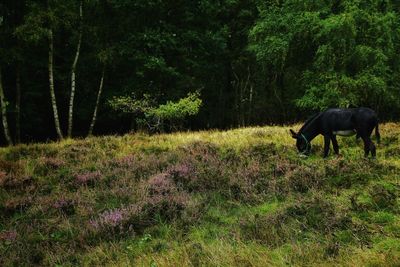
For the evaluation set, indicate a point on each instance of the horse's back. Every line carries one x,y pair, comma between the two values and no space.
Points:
359,113
366,115
366,111
343,119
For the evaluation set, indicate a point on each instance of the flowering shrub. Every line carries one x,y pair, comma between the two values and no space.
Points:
88,178
248,182
161,197
205,167
109,218
64,205
127,161
53,163
184,175
161,185
8,236
3,178
164,197
200,150
117,220
181,170
167,206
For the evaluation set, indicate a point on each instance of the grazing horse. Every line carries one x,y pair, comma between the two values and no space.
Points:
337,121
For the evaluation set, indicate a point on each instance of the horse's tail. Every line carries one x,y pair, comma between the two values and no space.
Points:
377,134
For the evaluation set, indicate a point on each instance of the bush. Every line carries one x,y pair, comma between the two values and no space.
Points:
88,178
160,198
155,119
176,112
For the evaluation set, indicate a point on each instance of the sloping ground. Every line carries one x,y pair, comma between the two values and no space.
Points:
236,198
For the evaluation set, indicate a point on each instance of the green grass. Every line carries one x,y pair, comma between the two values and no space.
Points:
241,197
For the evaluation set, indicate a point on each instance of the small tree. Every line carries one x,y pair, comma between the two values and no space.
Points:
155,119
174,113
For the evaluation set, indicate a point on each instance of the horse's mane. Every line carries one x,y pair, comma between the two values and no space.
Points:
309,120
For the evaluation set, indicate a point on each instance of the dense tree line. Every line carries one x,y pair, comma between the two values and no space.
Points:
253,61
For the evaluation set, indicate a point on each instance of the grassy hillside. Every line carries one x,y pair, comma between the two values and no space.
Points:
236,198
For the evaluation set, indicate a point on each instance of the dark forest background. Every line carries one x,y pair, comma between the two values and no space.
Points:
253,62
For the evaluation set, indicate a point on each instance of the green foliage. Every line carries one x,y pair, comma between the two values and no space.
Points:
127,104
171,114
344,50
173,111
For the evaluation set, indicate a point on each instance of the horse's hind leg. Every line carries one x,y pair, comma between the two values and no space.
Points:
372,148
369,147
335,144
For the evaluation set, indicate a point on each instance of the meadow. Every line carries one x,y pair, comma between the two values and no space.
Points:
240,197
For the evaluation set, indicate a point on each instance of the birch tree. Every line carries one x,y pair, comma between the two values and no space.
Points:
97,104
73,72
3,104
51,84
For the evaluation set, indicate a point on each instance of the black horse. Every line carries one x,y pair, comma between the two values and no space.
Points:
336,121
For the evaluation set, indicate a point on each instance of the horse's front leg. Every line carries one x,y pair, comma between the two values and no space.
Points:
335,144
327,141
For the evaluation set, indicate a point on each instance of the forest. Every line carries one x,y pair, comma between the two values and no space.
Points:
81,67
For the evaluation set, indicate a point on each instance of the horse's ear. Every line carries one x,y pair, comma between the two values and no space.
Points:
293,133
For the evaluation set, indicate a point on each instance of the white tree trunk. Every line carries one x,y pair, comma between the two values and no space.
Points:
97,104
51,83
73,75
4,113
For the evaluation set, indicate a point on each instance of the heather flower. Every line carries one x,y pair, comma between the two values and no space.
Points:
184,175
167,206
60,203
126,161
164,197
53,163
161,184
178,200
112,218
3,177
181,170
9,236
89,177
109,218
115,218
64,205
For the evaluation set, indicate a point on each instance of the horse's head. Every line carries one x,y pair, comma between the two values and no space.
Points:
302,144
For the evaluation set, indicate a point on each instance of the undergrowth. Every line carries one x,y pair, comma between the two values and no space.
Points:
235,198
